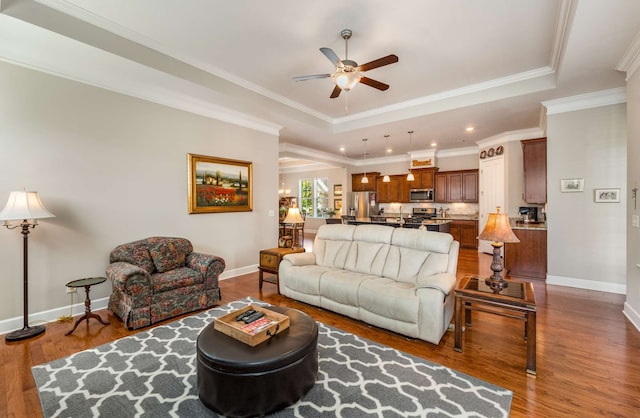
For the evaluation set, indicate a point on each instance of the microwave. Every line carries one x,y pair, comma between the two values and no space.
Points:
421,195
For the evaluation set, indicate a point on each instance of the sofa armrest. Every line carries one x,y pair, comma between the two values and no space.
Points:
300,259
444,282
129,278
209,265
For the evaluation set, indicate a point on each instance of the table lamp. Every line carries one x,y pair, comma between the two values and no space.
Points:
27,208
294,218
498,231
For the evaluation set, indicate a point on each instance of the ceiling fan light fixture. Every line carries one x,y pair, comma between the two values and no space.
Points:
346,79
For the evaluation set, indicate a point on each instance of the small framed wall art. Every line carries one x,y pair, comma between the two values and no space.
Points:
219,184
606,195
571,185
337,189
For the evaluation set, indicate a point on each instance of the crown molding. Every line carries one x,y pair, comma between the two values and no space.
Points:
630,61
566,12
32,47
510,136
586,101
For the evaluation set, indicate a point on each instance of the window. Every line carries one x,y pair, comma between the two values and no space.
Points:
314,197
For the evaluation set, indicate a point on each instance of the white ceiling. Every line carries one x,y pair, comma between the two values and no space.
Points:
487,64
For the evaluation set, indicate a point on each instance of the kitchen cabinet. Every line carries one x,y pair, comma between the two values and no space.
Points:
528,258
393,191
358,186
423,179
456,186
534,159
465,232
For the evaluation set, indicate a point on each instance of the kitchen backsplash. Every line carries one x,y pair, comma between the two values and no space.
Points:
453,208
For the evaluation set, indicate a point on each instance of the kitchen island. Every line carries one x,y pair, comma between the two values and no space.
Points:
431,225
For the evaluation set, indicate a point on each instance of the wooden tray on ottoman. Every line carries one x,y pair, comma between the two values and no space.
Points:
270,324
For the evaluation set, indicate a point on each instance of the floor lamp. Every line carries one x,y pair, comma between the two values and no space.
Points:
26,208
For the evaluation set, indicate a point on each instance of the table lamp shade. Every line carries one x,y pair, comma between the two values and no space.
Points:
24,205
497,228
293,216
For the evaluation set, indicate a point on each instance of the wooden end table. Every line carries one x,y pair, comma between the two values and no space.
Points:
270,261
516,301
87,283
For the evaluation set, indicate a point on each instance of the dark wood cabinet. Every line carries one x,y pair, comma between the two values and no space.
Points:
456,186
358,186
534,158
465,232
528,258
423,179
393,191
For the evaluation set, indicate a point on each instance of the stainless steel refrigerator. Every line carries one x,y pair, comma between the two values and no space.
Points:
362,204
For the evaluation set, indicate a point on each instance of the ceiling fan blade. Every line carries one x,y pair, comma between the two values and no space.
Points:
335,93
389,59
373,83
311,77
328,52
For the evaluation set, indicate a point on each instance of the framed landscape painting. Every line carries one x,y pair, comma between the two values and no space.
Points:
219,184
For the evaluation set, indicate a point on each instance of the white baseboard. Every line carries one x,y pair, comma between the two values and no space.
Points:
632,315
588,284
228,274
52,315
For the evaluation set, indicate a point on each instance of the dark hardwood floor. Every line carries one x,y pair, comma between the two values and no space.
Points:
588,360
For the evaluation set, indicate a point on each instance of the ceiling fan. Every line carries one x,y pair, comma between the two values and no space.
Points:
348,73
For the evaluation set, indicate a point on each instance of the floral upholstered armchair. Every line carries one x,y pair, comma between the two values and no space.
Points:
160,277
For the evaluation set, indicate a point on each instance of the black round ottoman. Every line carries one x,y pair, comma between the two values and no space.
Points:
238,380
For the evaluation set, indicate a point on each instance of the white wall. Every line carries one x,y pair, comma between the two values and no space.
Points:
114,169
586,240
632,305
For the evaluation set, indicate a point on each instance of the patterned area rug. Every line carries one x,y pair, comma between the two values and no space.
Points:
153,374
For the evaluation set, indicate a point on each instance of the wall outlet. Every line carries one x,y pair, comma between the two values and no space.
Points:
635,221
71,290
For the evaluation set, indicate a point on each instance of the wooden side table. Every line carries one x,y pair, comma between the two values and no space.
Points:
87,283
517,301
270,261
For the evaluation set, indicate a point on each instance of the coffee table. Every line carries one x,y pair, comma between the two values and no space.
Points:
516,301
87,283
236,379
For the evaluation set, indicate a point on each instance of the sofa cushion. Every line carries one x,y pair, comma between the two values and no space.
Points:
135,253
342,286
179,278
166,255
390,299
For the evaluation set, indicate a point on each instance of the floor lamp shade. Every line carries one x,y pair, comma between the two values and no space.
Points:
26,208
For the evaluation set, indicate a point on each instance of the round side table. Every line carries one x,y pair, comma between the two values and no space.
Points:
87,283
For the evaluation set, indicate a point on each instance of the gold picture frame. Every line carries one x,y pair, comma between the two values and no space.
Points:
219,184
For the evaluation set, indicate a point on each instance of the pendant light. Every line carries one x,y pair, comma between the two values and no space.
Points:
386,178
410,175
364,156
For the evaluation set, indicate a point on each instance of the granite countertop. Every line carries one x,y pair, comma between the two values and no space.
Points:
458,217
533,226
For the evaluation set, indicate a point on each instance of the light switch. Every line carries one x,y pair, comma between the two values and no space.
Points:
272,213
635,221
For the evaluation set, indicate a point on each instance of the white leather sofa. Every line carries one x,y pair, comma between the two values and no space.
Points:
394,278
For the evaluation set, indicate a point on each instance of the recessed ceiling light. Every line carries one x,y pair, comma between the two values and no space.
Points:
469,129
433,144
341,149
